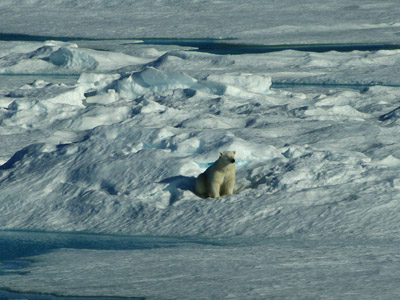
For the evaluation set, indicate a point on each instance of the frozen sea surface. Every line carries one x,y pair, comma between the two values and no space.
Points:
196,268
106,122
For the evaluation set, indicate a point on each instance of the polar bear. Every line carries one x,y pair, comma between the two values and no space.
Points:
219,179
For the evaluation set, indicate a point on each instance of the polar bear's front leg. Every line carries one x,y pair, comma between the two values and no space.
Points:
214,190
214,184
229,187
229,181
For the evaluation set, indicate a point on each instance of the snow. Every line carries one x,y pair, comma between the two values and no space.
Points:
103,133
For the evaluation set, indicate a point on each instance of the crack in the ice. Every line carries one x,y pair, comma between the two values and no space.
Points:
222,46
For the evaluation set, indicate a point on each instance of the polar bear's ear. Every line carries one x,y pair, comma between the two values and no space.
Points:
234,152
220,154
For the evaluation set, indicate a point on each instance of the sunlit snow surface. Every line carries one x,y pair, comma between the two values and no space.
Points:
117,150
110,142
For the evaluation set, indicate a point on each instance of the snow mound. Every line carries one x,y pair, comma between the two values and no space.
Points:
190,60
390,161
152,80
62,58
256,83
70,58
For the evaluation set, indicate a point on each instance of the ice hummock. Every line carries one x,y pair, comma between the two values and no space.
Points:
55,57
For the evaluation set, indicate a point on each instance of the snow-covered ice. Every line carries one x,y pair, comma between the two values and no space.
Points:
198,268
117,151
103,133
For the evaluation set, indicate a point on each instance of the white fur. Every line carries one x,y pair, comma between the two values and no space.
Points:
219,179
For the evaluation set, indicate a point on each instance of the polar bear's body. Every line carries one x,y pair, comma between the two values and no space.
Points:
219,179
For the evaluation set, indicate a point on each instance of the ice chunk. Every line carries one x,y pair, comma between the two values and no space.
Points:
100,116
73,58
335,112
256,83
390,161
107,98
151,80
72,97
97,81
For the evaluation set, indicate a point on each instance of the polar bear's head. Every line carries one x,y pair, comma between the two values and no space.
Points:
228,157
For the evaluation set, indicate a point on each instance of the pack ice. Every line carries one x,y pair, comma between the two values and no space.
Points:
113,144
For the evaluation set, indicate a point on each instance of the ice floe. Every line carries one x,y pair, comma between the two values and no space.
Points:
118,150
